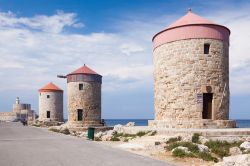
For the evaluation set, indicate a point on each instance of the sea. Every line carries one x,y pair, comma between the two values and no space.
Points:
144,122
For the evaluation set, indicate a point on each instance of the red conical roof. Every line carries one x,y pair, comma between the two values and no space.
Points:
189,19
191,26
50,87
83,70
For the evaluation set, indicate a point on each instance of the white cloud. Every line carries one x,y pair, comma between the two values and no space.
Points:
31,58
52,24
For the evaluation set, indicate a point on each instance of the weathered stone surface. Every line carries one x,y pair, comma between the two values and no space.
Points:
185,149
235,151
7,116
181,72
130,124
108,135
238,160
202,148
100,134
245,145
83,134
203,140
88,99
54,104
118,128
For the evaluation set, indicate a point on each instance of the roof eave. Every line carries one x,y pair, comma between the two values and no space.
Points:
83,74
188,25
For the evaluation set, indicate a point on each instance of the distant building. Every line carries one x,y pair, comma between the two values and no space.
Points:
51,103
84,97
20,112
191,74
21,109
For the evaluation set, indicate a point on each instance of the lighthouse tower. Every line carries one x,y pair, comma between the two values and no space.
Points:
191,74
50,103
84,97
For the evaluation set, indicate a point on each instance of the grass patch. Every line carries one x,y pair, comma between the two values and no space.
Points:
206,156
246,152
221,148
193,148
65,131
196,138
202,155
171,146
142,133
153,133
115,139
117,136
125,140
218,148
180,153
157,143
129,135
36,125
172,140
54,130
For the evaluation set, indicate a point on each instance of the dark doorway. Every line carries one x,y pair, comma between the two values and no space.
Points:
207,105
48,114
79,114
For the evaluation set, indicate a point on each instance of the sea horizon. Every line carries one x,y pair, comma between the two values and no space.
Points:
240,123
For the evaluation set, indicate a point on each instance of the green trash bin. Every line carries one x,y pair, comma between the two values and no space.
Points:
91,133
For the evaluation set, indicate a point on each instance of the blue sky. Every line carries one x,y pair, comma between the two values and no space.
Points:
43,38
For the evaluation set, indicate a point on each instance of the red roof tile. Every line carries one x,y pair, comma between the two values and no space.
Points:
190,19
50,87
83,70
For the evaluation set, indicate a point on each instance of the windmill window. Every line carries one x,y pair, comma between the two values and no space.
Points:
80,86
48,114
79,114
206,48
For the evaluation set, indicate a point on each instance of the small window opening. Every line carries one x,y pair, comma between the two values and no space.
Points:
206,48
48,114
79,114
80,86
48,96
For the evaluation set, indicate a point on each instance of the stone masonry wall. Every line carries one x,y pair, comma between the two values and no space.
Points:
88,99
54,104
182,70
18,107
7,116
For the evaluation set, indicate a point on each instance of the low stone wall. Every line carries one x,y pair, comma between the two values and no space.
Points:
229,132
97,129
7,116
204,123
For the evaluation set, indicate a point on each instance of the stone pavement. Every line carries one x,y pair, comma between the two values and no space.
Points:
30,146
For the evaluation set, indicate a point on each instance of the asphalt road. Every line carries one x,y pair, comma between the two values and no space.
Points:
30,146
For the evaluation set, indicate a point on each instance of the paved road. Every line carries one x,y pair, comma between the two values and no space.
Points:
29,146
